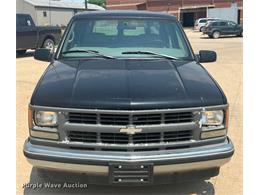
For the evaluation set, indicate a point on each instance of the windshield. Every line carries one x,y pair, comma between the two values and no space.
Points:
120,37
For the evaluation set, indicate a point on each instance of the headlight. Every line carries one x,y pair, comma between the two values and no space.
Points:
213,123
45,118
212,118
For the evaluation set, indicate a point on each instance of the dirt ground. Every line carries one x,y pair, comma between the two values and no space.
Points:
227,71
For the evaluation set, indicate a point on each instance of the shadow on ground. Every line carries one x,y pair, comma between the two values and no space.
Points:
27,54
199,187
223,37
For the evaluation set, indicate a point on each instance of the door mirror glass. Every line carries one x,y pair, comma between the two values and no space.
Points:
207,56
43,54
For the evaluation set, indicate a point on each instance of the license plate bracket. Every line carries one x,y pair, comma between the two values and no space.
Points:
124,173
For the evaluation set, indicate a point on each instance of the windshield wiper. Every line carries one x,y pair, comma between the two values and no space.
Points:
150,53
90,52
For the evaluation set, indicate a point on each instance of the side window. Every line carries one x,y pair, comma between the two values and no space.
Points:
103,27
134,32
155,29
24,21
222,24
133,28
203,21
214,24
44,14
231,24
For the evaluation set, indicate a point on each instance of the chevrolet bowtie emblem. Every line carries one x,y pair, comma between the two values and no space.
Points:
130,130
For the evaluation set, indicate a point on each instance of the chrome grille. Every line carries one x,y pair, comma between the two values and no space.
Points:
147,119
86,137
113,119
140,138
146,138
130,119
85,118
114,138
182,117
177,136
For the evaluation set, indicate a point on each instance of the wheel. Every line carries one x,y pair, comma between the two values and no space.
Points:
202,28
20,52
49,44
216,34
210,36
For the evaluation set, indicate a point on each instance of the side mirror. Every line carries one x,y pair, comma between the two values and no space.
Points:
207,56
43,55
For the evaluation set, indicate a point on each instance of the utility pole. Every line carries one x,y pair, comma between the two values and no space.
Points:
50,12
86,4
146,3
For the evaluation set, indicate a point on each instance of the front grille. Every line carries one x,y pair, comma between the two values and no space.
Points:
147,119
182,117
140,138
147,138
86,137
129,119
114,138
112,119
83,118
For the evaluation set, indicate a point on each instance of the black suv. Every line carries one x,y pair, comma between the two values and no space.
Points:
126,100
215,29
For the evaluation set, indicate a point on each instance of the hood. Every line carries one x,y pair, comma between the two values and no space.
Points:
126,84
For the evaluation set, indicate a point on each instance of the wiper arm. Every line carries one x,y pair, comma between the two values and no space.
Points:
90,52
151,53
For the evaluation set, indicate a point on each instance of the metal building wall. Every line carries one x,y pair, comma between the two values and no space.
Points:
55,16
230,13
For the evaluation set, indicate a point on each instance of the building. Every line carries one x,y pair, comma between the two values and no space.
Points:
187,11
53,12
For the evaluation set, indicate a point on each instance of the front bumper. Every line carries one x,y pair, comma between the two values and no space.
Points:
97,162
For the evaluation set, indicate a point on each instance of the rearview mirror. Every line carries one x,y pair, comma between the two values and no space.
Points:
207,56
43,54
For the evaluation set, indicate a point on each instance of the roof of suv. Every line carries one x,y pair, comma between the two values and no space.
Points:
126,14
221,21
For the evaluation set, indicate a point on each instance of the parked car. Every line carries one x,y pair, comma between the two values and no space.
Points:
215,29
29,36
201,22
126,101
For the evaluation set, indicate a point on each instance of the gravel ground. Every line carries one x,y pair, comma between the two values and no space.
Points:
227,71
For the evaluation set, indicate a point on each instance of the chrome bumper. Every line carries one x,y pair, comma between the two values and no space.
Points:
160,169
97,162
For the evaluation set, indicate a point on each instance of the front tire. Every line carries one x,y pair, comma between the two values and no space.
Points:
216,34
49,44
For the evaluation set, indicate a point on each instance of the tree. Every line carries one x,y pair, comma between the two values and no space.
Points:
101,3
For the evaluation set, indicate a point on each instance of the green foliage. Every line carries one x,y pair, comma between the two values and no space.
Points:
101,3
